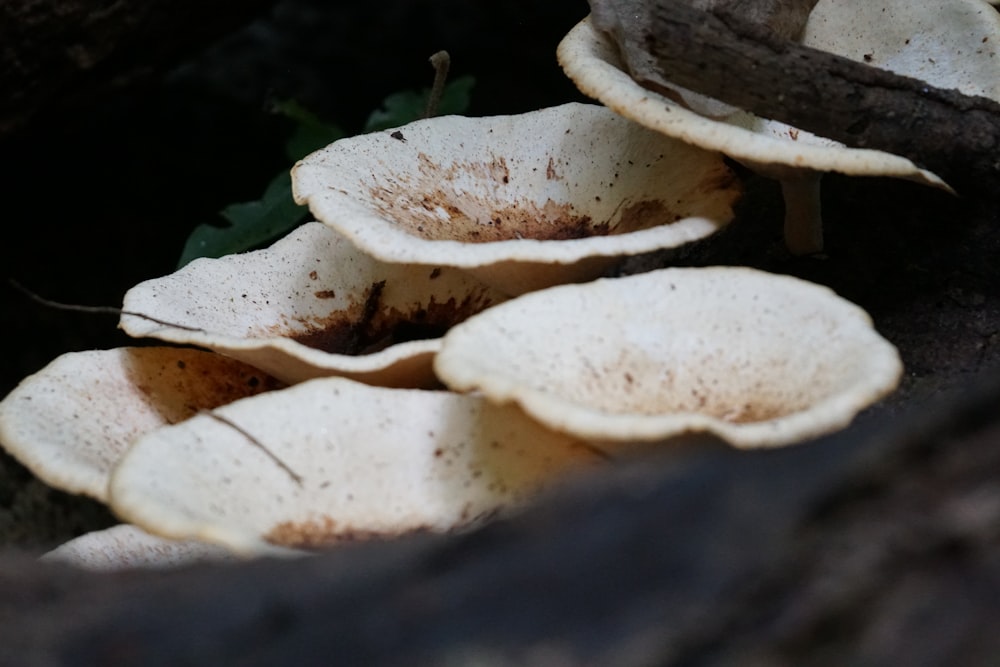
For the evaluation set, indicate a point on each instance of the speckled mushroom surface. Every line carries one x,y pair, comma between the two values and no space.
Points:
311,305
70,422
947,43
125,547
330,460
522,201
754,358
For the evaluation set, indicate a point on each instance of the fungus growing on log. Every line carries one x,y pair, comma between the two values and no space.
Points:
902,37
752,358
70,422
521,202
311,305
367,461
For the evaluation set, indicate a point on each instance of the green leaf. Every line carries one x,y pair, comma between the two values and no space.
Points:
310,133
251,224
255,223
405,107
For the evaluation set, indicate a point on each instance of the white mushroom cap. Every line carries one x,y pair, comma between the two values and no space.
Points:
949,44
524,201
372,461
754,358
311,305
125,547
70,422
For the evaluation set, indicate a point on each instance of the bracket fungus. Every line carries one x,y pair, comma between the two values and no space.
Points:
311,305
947,44
343,461
70,422
753,358
521,202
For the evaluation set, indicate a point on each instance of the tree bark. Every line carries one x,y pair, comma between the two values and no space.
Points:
804,556
737,62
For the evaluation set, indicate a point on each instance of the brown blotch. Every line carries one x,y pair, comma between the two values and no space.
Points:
344,331
207,382
324,532
427,206
368,326
325,294
304,534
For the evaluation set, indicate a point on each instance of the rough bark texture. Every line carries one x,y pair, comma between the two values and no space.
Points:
627,21
746,65
55,52
874,548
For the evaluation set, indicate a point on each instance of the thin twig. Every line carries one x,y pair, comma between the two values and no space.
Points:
257,443
100,310
441,62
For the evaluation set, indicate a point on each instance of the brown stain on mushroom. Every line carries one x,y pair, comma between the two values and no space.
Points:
324,532
194,381
367,325
464,202
550,170
642,387
736,410
469,202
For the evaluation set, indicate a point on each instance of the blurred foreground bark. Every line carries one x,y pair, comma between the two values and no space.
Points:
875,547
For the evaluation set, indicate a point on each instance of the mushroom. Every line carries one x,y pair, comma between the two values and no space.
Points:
522,202
125,547
311,305
948,44
70,422
330,460
756,359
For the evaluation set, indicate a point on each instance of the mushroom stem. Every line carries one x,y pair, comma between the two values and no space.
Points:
803,216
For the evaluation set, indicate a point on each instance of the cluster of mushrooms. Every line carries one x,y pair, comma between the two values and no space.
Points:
442,343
